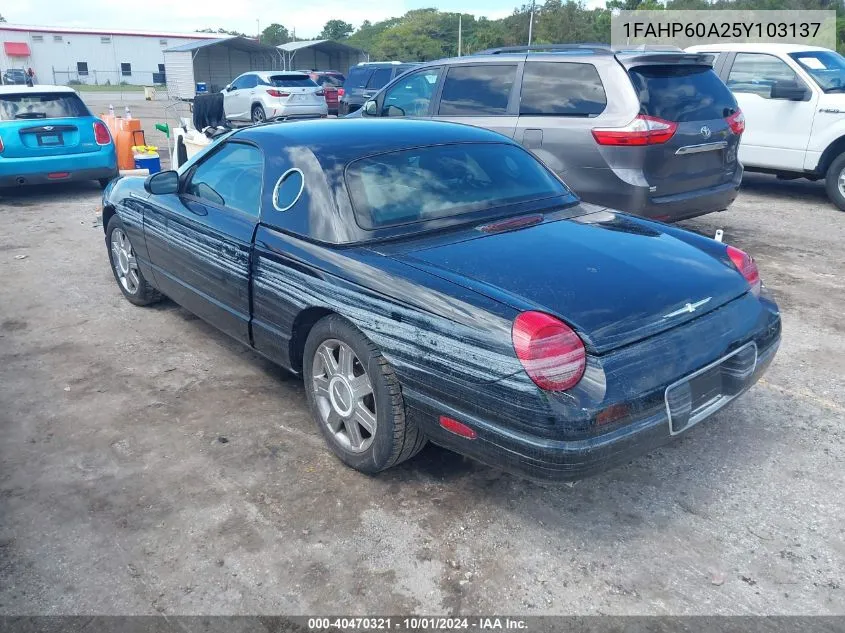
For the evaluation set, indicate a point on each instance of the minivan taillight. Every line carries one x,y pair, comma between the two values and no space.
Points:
736,122
747,267
101,133
340,92
277,93
550,351
643,130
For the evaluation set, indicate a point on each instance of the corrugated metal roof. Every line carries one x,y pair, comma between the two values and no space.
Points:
235,41
290,47
69,30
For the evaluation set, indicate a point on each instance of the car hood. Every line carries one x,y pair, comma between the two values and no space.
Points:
613,278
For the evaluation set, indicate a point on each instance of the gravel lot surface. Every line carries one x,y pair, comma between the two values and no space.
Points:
151,465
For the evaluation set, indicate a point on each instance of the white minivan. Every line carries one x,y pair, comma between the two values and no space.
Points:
793,98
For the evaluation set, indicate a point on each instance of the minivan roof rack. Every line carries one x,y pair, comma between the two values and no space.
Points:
596,48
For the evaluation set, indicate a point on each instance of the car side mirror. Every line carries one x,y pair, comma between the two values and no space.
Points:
371,108
228,88
162,183
789,90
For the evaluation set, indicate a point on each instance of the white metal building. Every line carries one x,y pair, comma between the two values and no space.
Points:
61,55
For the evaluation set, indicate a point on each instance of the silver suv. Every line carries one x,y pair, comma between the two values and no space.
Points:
272,96
654,133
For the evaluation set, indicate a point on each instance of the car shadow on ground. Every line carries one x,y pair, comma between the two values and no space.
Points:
772,187
28,196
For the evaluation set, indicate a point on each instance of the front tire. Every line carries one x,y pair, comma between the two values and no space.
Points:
258,114
835,182
355,398
124,266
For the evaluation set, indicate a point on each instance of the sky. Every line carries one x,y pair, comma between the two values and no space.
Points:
306,17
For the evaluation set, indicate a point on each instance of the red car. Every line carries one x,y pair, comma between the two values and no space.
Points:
331,82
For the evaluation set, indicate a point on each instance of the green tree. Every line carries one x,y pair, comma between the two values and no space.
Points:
275,34
2,19
336,30
221,31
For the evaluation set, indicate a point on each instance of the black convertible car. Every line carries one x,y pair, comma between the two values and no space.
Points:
434,281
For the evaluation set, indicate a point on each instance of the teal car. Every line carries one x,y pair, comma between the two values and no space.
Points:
47,134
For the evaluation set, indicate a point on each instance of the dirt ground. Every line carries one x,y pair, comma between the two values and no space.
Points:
151,465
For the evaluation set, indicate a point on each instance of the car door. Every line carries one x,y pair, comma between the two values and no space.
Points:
484,95
200,240
236,99
777,131
411,95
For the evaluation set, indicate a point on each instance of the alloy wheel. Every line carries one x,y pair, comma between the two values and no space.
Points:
344,395
124,262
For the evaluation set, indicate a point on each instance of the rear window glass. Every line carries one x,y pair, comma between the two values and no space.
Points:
682,93
330,80
358,78
428,183
483,89
562,89
380,78
41,106
292,81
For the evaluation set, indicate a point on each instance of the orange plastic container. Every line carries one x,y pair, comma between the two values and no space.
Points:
126,138
126,133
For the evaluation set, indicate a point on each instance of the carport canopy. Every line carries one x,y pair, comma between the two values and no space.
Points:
322,55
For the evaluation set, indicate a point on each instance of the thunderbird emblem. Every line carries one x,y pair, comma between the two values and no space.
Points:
690,307
705,132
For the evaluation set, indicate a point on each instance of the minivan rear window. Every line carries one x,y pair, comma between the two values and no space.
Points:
380,78
562,89
682,93
292,81
357,78
47,105
442,181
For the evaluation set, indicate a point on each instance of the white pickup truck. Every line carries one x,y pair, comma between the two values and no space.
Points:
793,98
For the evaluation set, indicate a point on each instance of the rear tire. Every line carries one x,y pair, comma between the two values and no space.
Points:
104,182
391,438
835,182
258,114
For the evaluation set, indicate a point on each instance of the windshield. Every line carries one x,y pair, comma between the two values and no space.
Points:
428,183
292,81
825,67
41,106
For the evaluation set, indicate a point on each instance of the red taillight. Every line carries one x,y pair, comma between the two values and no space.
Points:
458,428
340,92
643,130
736,122
550,351
320,93
747,267
101,133
277,93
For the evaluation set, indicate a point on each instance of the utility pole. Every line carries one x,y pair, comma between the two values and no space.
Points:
258,28
459,34
531,23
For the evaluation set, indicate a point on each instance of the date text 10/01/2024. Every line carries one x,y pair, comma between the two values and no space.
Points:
418,623
727,30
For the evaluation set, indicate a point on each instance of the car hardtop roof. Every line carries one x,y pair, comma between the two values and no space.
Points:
271,73
344,140
39,88
743,47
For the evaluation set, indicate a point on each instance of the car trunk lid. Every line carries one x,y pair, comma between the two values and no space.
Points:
614,278
295,89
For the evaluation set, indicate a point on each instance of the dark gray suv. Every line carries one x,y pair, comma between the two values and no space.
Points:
365,80
654,133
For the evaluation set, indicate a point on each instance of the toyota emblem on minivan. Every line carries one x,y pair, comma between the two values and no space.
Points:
705,132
